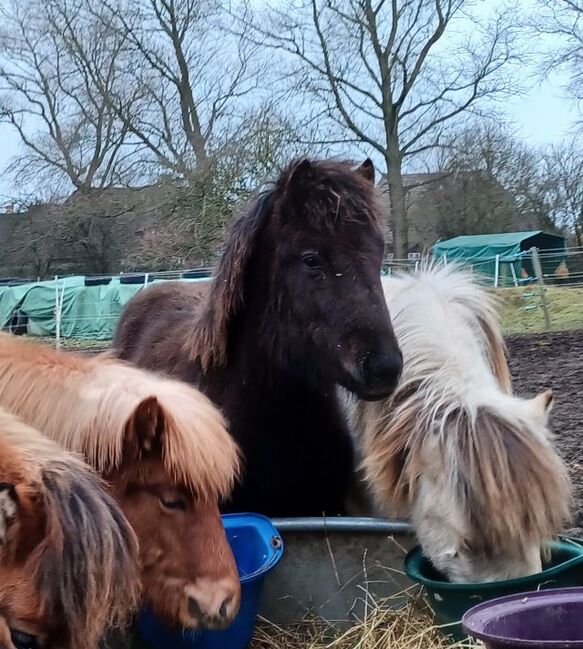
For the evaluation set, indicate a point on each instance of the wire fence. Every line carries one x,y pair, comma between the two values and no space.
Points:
539,290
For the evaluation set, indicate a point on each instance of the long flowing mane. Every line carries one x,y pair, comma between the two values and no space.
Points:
87,404
85,569
208,340
478,307
454,398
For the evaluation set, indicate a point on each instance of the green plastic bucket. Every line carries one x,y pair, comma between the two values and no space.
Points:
450,601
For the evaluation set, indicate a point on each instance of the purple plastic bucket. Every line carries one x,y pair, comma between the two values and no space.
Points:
545,618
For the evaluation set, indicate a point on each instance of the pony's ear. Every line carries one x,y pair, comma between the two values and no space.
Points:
542,404
146,426
23,509
299,175
366,170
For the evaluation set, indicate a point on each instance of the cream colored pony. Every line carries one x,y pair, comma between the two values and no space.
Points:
471,464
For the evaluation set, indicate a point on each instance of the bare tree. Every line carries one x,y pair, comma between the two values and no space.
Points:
562,20
563,167
494,182
383,73
69,132
498,183
184,92
195,216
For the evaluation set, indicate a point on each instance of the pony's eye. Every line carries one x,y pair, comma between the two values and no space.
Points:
173,503
311,260
23,640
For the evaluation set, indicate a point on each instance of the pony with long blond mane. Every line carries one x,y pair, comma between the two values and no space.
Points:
473,465
163,448
68,557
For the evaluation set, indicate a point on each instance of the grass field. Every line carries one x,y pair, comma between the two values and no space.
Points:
74,344
521,309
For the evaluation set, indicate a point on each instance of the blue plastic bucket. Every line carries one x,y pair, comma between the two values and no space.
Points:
257,548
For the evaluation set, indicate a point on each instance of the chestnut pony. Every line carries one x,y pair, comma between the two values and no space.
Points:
68,557
295,307
163,449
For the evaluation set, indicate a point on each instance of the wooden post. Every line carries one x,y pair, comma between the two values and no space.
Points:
513,271
541,285
57,315
497,271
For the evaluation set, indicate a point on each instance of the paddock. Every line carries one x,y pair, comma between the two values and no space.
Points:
337,571
556,359
343,570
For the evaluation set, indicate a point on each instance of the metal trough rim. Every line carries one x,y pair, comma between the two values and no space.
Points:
348,524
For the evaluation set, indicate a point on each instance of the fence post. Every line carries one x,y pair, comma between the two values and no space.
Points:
513,270
541,284
497,271
57,315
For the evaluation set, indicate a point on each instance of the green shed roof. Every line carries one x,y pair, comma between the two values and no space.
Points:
480,240
508,245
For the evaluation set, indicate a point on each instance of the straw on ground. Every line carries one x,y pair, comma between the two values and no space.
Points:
410,626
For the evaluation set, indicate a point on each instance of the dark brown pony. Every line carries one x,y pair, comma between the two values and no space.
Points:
296,307
68,557
165,453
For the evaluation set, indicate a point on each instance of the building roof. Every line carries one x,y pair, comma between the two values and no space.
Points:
506,244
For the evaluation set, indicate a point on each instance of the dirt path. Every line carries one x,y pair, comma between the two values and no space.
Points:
555,360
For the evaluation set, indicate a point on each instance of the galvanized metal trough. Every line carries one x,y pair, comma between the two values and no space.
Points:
333,568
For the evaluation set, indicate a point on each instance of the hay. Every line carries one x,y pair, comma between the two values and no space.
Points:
410,626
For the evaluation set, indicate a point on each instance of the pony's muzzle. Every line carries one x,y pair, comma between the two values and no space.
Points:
380,373
212,605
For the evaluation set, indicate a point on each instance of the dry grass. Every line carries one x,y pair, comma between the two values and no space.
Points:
410,626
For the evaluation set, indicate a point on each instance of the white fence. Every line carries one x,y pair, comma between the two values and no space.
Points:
532,272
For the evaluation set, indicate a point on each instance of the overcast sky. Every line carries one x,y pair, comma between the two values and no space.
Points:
542,116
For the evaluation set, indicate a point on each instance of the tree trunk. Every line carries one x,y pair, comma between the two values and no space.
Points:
398,216
578,228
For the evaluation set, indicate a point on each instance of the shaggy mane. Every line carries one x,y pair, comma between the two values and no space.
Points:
497,465
454,393
328,184
476,305
85,569
86,405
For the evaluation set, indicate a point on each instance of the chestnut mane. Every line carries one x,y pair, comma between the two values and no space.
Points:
208,339
85,568
88,405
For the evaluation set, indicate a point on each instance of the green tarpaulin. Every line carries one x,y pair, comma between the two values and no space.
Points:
89,312
480,251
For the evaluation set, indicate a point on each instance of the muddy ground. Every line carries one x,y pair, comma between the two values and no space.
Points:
555,360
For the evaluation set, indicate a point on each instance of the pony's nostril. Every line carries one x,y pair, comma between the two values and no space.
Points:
224,609
381,371
195,610
380,367
210,608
